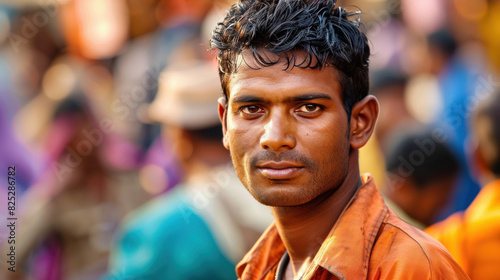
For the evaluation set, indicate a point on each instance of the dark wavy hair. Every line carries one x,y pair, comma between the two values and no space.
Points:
326,34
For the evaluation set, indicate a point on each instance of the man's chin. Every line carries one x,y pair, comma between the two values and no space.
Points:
280,201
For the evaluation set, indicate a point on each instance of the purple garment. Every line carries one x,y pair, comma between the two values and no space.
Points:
12,152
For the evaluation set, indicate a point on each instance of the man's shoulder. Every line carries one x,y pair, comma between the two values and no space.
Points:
405,238
402,248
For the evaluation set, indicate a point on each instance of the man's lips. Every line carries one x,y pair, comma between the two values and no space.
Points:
279,170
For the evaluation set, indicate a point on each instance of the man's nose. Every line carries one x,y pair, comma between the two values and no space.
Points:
278,132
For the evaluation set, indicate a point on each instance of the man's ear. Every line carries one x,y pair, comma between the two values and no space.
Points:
363,118
223,119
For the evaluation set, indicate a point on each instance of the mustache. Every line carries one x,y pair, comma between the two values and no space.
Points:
287,155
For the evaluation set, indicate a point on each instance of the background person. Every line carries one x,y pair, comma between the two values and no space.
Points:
68,217
472,236
422,171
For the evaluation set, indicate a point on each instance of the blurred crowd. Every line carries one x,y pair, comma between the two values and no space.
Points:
108,111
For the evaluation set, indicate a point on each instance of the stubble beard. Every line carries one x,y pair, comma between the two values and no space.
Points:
309,192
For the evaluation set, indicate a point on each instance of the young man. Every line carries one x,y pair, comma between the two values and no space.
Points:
294,114
473,236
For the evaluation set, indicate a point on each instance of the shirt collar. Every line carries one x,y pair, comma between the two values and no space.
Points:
346,251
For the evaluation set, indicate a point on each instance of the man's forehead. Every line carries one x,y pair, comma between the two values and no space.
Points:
254,78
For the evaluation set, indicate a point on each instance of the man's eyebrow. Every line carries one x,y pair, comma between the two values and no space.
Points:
309,96
298,98
248,99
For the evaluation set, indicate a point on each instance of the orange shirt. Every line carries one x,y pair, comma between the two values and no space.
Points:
368,241
473,236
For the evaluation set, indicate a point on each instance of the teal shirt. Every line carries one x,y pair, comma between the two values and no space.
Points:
166,239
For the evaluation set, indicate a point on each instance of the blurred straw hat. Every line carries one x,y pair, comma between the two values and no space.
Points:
187,96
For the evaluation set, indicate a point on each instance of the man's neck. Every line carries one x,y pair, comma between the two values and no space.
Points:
304,228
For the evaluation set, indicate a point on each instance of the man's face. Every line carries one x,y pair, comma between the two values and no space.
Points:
287,132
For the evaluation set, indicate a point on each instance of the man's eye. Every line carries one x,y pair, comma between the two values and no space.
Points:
309,108
252,109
